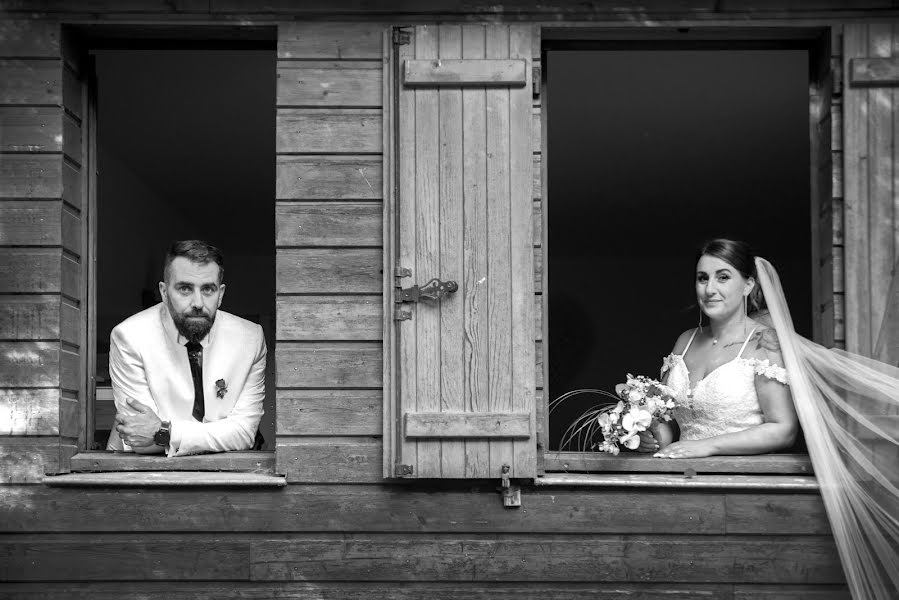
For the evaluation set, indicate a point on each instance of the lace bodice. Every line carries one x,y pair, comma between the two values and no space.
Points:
725,400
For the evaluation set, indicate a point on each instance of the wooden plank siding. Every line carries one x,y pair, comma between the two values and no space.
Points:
40,247
339,530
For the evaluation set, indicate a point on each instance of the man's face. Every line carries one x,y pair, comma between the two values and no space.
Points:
193,294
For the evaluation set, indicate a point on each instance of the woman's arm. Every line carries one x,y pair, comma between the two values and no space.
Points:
781,425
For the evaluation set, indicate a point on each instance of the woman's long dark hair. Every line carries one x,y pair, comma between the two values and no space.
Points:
740,256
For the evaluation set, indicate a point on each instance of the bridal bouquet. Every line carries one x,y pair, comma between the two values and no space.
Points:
640,400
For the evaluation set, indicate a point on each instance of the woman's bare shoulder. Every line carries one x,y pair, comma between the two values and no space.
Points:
682,341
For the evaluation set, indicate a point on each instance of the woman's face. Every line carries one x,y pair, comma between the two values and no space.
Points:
720,288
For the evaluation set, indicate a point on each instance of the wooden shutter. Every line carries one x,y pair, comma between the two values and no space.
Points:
459,391
871,174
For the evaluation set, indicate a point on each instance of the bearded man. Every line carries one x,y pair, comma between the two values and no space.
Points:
187,378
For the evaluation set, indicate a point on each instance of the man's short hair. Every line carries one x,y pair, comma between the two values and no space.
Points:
196,251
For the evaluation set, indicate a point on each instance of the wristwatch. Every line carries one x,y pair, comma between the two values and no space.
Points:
164,435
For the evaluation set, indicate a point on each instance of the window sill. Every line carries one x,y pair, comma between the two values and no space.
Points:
660,480
598,462
262,463
165,479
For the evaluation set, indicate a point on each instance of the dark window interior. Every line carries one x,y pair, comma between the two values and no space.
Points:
651,152
186,149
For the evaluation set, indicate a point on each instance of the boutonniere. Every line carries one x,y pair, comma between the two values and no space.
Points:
221,388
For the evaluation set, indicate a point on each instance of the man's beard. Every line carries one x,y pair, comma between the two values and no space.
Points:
192,328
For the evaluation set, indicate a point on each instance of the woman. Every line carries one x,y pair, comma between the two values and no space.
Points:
846,403
731,386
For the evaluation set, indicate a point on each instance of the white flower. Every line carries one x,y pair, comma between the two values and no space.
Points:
634,396
604,420
637,420
619,408
631,441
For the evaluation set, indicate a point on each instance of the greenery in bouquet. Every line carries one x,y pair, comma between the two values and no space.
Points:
637,403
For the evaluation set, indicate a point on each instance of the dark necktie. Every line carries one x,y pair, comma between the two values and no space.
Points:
195,356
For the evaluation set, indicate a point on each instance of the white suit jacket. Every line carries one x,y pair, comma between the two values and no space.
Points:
148,363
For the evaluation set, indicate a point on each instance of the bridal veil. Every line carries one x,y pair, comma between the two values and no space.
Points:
848,406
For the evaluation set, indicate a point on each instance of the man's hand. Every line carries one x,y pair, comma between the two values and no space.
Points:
137,430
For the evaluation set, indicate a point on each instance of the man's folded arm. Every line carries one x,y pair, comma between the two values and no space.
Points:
235,432
129,380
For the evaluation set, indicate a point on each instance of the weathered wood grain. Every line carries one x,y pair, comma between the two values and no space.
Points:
30,129
309,318
794,464
782,514
29,38
30,81
166,479
857,254
72,92
31,176
324,83
30,317
425,507
71,185
779,592
328,178
338,41
536,557
879,72
451,324
29,412
328,271
30,223
71,138
242,462
481,73
30,364
397,591
324,365
24,460
322,130
124,558
329,412
467,425
328,224
329,460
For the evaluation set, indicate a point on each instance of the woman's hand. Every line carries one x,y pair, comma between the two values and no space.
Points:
648,442
687,449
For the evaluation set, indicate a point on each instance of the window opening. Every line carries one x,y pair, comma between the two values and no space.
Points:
185,150
652,151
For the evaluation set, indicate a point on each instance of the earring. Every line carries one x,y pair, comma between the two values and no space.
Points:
700,319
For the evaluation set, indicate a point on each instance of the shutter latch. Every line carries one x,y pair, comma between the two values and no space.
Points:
511,493
433,290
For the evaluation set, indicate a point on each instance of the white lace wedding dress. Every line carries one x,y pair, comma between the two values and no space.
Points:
725,400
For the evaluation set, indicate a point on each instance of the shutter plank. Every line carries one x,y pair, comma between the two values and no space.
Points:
426,317
523,282
465,73
874,71
468,425
452,324
499,259
474,227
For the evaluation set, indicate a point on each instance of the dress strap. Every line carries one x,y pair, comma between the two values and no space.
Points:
749,337
690,341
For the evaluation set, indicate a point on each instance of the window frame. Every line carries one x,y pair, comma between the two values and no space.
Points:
247,468
818,41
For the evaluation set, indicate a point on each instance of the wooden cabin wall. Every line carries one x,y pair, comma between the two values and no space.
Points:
40,252
338,530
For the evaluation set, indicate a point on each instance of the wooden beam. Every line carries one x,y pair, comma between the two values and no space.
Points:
322,130
455,73
467,425
326,83
335,41
330,460
31,129
328,318
329,365
871,72
243,462
166,478
328,178
29,412
599,462
328,271
420,508
31,82
328,224
329,412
